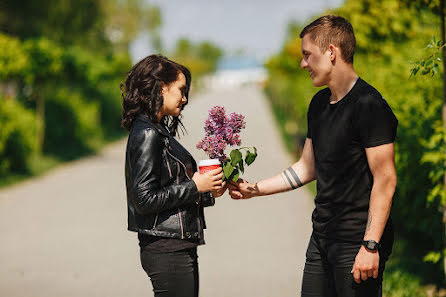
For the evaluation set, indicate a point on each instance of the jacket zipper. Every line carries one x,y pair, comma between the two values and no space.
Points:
168,165
170,175
156,221
178,172
184,166
179,211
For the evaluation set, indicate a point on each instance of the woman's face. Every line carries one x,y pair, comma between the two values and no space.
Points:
174,97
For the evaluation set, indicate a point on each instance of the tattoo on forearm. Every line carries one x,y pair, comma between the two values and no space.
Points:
369,222
289,180
283,178
294,175
290,173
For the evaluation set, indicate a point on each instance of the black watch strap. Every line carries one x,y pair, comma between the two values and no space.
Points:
371,245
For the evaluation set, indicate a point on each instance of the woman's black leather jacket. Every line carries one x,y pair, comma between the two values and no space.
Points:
162,198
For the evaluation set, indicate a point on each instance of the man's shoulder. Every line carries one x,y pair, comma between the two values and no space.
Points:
321,97
367,94
322,94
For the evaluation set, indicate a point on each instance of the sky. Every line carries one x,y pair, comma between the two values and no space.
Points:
257,27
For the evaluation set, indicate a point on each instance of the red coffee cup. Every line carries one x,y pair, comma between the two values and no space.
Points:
208,165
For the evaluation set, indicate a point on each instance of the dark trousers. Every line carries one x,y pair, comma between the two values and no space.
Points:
328,266
173,274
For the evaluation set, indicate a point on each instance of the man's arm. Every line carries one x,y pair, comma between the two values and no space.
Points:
299,174
382,165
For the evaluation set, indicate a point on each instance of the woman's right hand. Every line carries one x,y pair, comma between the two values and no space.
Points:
209,181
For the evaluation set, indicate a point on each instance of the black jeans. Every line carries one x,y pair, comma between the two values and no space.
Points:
173,274
327,271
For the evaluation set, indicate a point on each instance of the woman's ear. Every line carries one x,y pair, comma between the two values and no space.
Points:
163,89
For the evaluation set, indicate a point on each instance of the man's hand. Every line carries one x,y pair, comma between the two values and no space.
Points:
243,190
366,265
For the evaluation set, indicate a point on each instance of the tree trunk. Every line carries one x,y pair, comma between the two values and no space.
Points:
443,52
40,108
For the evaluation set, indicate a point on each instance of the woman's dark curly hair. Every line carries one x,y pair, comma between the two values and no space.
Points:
141,91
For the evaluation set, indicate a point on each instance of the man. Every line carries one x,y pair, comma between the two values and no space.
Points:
349,151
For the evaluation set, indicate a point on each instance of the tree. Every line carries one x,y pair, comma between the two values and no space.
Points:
124,20
101,25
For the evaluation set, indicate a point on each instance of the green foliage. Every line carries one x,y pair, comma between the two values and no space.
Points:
398,283
13,59
104,26
201,58
98,80
65,21
430,64
435,158
18,137
234,165
72,124
45,60
79,91
290,91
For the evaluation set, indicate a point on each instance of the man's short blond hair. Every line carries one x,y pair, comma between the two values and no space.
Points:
332,29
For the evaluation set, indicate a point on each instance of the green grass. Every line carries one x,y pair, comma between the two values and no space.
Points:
39,165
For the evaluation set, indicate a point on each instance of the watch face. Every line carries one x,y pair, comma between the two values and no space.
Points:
371,245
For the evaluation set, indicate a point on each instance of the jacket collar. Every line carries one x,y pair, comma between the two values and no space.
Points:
153,125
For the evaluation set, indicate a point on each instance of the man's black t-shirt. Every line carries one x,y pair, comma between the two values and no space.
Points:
340,132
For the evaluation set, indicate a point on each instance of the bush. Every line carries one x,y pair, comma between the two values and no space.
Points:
13,58
72,125
399,283
18,137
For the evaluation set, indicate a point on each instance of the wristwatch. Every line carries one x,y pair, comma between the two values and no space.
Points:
371,245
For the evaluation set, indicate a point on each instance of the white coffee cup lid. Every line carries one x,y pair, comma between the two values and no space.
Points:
208,162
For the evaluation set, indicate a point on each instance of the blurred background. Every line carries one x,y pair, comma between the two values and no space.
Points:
61,64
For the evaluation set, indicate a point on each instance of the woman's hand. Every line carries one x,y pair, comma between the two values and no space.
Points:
209,181
221,191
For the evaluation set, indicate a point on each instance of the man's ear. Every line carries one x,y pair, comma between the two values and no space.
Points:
332,49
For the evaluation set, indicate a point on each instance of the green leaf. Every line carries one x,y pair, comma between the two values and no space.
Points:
425,71
227,170
236,157
250,157
235,177
433,257
241,166
414,71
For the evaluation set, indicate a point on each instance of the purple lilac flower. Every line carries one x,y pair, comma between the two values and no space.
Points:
214,146
221,130
236,121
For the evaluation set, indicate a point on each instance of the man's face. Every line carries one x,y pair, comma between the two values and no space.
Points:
318,64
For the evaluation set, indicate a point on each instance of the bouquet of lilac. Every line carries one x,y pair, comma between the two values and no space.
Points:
222,130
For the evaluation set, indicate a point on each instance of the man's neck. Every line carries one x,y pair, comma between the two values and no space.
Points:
341,83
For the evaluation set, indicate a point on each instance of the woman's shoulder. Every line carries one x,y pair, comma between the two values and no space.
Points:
143,134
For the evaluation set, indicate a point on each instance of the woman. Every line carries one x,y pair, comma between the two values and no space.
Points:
165,194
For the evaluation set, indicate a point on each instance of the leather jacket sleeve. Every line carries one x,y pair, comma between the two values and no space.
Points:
145,157
207,199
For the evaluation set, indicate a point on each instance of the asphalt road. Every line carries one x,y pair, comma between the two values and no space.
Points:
64,233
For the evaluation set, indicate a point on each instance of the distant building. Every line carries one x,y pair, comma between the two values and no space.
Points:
235,72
